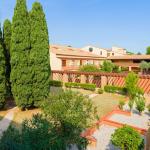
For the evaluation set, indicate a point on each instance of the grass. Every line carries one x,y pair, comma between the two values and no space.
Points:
106,102
55,90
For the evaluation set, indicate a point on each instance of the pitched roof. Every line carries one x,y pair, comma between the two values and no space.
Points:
130,57
65,51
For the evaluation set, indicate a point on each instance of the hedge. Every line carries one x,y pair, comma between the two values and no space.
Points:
85,86
115,89
56,83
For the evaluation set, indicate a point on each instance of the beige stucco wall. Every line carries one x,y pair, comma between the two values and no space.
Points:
98,51
118,51
56,63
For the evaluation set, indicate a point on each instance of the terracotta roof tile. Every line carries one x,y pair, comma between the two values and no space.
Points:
70,51
130,57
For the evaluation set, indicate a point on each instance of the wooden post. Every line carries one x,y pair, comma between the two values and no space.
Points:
65,77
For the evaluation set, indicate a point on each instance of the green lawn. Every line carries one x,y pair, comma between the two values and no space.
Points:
55,90
106,102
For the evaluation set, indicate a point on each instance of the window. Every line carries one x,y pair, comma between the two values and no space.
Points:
90,49
63,63
101,53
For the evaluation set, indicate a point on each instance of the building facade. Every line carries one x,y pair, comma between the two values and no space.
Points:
68,58
132,62
114,51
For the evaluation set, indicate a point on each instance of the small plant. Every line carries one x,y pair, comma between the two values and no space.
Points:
148,107
121,104
126,138
100,91
140,103
130,104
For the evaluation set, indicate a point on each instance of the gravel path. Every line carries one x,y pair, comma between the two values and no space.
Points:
5,122
103,136
92,95
137,120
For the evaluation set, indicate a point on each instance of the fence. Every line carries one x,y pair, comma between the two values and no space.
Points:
100,79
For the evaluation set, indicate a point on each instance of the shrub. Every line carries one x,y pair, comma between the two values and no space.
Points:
107,66
71,112
56,83
130,104
85,86
121,104
88,86
126,138
100,91
89,68
131,85
140,103
115,89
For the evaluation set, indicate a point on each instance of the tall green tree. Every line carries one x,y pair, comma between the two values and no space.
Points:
39,54
7,40
148,50
20,48
2,73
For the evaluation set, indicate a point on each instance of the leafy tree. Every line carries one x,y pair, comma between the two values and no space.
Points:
65,116
20,48
89,68
148,50
139,53
71,112
140,103
39,54
131,84
145,66
7,40
126,138
2,73
107,66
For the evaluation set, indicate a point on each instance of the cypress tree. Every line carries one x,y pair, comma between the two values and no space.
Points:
2,73
7,40
20,48
39,54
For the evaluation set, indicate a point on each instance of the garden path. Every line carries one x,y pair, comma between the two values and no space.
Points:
5,122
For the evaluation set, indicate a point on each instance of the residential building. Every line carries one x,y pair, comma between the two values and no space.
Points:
132,62
114,51
69,58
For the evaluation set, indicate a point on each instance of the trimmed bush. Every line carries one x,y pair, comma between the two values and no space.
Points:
56,83
85,86
100,91
115,89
